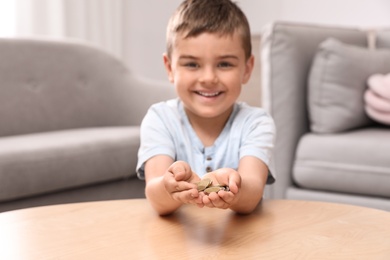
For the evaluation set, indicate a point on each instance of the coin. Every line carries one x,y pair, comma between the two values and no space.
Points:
212,189
203,184
206,186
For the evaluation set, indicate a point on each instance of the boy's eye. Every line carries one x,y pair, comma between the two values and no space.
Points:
224,64
191,65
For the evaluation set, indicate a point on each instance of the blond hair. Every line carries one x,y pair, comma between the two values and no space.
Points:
194,17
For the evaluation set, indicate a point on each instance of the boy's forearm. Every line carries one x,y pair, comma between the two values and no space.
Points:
253,173
159,198
251,193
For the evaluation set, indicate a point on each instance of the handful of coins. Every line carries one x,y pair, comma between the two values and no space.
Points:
205,185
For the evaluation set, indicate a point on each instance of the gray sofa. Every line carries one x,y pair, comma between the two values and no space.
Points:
327,148
69,123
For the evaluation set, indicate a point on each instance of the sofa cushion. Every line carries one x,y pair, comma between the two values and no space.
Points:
46,162
354,162
337,82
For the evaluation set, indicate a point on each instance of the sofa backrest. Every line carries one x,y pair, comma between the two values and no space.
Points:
50,85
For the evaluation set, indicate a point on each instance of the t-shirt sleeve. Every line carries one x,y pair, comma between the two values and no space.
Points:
156,139
258,140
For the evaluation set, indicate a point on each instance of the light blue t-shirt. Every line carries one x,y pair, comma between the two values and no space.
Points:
166,130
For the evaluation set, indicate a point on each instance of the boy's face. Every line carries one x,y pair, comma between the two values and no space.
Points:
208,71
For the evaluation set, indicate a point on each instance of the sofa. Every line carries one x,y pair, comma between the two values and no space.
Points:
69,123
313,81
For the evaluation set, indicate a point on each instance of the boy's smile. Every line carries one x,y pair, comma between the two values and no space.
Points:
208,71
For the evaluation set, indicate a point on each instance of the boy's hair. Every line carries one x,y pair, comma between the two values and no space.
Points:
223,17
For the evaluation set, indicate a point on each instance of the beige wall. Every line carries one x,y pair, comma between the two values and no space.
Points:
251,92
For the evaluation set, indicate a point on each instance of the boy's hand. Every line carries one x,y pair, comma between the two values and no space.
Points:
223,199
180,182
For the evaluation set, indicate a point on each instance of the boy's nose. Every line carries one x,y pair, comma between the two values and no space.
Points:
209,76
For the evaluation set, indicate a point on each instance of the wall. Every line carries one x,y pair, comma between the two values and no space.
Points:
147,20
365,13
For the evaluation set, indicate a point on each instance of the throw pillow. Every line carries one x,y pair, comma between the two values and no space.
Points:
377,98
337,82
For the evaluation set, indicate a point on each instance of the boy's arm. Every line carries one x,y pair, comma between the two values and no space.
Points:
168,184
254,173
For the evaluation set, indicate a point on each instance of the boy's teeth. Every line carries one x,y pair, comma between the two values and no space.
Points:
208,94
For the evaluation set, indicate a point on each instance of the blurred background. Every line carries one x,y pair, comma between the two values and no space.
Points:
134,30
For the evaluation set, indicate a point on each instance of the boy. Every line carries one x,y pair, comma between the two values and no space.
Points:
205,133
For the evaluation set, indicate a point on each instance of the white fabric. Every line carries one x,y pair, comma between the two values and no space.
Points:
99,22
167,130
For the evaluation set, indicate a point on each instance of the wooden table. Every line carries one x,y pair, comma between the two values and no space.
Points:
130,229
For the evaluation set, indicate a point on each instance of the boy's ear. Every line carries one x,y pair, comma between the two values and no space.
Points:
168,67
250,63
